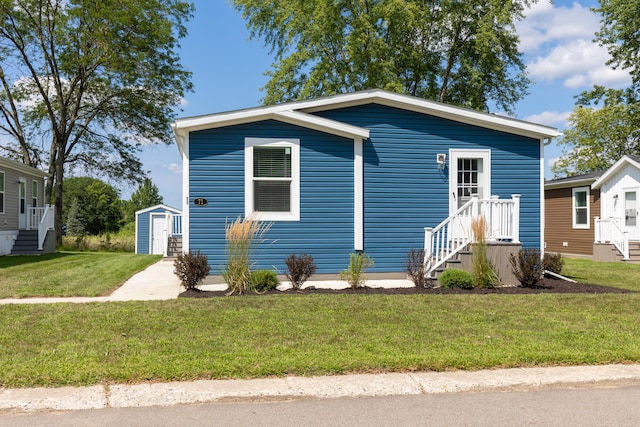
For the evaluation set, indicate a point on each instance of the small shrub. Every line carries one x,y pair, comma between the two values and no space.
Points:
359,262
456,278
264,280
414,267
527,267
191,268
552,262
299,269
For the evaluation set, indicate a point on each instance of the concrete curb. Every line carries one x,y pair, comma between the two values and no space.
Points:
177,393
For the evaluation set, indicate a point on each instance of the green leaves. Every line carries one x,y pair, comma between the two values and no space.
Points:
463,53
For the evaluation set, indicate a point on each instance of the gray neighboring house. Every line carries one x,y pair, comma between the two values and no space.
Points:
26,222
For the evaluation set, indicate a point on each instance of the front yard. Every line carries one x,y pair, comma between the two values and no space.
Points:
68,274
261,336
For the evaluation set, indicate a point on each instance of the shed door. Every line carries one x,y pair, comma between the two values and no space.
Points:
158,234
631,214
22,203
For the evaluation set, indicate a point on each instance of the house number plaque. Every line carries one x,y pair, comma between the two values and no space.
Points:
200,201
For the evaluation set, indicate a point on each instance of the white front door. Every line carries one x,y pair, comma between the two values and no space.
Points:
22,203
631,214
158,234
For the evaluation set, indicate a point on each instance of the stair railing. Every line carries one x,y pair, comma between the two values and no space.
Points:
609,230
46,223
453,234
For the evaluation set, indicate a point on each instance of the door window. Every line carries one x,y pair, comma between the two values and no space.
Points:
630,208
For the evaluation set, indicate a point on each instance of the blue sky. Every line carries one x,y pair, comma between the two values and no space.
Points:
228,72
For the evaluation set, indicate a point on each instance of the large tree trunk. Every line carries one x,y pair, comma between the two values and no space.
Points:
57,201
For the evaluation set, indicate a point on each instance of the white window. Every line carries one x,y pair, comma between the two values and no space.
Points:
34,194
1,192
272,179
580,202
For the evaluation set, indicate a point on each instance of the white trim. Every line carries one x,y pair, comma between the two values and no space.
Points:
136,236
542,201
294,144
22,168
164,234
324,125
186,195
614,169
358,195
287,111
573,208
457,153
35,196
160,206
22,217
3,192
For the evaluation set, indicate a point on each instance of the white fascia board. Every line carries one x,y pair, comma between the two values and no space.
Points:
278,113
613,170
419,105
358,194
162,206
321,124
569,183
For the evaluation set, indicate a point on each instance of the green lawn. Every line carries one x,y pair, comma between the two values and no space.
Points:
67,274
262,336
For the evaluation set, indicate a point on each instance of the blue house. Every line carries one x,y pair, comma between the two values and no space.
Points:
370,171
159,230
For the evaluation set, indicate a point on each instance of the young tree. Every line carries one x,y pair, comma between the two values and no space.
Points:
99,206
85,82
74,220
459,52
605,125
145,196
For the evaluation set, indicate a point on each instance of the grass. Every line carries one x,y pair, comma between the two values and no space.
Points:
67,274
616,274
263,336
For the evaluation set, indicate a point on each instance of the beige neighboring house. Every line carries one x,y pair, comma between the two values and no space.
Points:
26,221
596,214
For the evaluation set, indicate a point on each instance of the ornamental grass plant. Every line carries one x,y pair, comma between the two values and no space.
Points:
483,271
243,237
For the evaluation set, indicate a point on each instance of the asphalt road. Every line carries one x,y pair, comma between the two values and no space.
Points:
603,406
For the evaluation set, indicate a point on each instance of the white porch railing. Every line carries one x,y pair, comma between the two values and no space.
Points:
41,219
609,230
452,235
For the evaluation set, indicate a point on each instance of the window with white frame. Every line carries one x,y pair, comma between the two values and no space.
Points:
34,194
580,200
272,179
1,192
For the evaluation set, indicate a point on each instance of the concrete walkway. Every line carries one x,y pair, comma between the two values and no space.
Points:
158,282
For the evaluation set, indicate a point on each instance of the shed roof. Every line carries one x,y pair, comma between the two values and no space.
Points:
633,161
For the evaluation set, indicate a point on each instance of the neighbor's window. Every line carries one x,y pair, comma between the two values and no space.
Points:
272,178
34,194
1,192
581,207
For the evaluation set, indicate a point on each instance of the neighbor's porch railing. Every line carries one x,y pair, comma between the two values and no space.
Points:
452,235
610,230
41,219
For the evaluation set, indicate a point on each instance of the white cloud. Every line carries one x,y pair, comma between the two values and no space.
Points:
550,118
558,45
175,168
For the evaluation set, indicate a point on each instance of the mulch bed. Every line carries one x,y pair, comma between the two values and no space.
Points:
546,286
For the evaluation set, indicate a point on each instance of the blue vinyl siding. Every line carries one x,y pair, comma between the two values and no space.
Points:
325,229
404,189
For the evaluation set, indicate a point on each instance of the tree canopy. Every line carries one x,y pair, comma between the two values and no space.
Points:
97,203
459,52
619,33
84,83
145,196
604,126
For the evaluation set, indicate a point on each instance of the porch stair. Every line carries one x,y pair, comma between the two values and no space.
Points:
26,243
174,246
634,253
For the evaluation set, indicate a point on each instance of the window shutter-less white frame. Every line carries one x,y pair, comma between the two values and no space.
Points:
274,167
583,207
